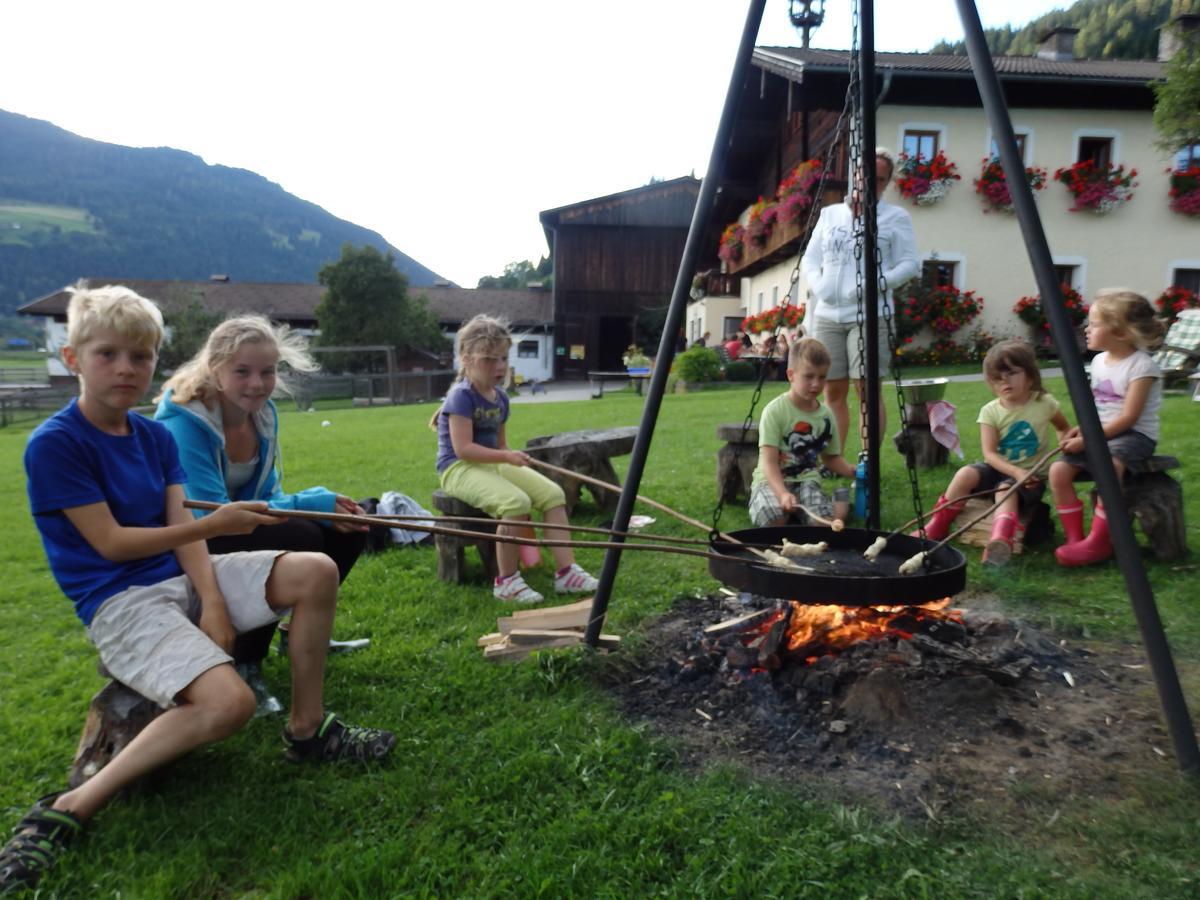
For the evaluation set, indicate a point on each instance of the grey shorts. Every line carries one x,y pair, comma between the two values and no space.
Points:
989,478
147,636
1128,447
841,340
765,508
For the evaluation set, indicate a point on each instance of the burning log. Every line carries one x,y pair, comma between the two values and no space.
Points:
739,624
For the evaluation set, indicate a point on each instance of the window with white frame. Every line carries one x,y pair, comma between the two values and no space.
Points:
1187,278
939,272
1022,139
1098,149
1068,274
1187,157
921,142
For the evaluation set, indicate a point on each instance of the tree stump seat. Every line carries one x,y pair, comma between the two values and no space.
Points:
588,452
1035,525
918,444
736,460
451,550
1155,500
116,716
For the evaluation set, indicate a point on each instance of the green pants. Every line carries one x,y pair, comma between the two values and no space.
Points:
501,490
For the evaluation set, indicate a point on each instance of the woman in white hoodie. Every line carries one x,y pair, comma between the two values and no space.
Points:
831,274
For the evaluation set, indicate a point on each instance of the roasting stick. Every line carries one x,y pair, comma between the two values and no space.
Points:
397,520
559,470
880,543
913,563
474,535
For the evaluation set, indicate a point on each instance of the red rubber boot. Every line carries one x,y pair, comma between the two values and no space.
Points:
940,521
999,549
1072,522
1095,548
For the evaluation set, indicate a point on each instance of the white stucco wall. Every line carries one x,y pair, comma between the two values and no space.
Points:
1136,246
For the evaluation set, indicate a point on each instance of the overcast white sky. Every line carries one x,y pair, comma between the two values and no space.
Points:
445,126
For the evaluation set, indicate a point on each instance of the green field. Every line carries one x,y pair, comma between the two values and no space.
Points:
526,780
20,221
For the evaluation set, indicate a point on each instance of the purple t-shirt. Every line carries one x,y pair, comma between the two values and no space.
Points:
486,416
70,462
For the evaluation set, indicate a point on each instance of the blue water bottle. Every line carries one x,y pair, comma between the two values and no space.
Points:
860,488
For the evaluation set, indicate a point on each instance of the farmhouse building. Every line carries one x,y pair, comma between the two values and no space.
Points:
295,304
616,259
1064,110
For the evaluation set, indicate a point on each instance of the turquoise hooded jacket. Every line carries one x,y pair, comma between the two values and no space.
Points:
199,432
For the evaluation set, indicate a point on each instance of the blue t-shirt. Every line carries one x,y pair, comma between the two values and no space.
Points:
487,416
70,462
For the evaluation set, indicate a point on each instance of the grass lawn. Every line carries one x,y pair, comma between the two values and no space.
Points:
525,780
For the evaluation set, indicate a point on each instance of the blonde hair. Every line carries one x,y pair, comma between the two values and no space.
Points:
196,378
114,307
1009,356
1124,310
475,337
808,350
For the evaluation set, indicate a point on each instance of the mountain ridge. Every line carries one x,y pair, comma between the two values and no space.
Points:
72,206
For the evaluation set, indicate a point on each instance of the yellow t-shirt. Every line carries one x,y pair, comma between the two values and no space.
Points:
1025,431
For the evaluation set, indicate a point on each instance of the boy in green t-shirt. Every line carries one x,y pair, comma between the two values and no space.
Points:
797,434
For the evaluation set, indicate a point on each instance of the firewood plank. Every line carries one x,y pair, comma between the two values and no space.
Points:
740,623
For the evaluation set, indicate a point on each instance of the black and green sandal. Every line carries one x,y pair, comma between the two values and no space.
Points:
335,740
37,841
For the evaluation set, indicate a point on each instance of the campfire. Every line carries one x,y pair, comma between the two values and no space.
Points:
791,633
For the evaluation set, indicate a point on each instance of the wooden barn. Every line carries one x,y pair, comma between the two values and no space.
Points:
615,263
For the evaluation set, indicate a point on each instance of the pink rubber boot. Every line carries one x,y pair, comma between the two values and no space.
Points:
940,521
1072,522
1095,548
999,549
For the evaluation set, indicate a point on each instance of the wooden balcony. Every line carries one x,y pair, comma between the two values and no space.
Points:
784,241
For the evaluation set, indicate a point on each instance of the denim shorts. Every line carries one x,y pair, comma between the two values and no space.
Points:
1128,446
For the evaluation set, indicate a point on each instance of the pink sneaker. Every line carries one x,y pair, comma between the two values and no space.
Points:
574,580
513,589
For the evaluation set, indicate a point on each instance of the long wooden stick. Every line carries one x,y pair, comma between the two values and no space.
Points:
480,535
1041,461
529,523
559,470
915,519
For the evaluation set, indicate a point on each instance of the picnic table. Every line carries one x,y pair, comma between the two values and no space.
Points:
587,452
597,380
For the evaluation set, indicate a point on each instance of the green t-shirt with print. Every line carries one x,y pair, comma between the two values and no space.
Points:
1025,431
801,438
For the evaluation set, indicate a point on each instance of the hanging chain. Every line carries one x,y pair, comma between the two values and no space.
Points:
860,221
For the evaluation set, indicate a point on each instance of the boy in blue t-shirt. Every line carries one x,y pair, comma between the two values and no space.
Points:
105,488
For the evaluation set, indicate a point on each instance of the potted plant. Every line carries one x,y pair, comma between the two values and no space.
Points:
636,362
1185,191
992,186
733,242
943,308
795,193
1098,188
790,316
761,221
925,181
1029,310
1175,300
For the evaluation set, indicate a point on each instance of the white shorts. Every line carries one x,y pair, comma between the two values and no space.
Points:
147,636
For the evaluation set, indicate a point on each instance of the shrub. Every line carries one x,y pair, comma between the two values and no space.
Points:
740,370
698,364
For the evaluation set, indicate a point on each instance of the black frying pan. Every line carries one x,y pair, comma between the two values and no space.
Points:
841,575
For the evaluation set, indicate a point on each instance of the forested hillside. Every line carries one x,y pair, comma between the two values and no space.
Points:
71,207
1108,29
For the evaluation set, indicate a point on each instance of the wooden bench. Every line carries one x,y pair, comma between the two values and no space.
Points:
734,479
451,561
597,380
1155,500
589,453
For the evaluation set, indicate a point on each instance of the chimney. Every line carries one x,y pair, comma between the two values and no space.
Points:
1058,44
1177,34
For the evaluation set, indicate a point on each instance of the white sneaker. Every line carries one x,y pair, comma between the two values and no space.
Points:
513,589
574,580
